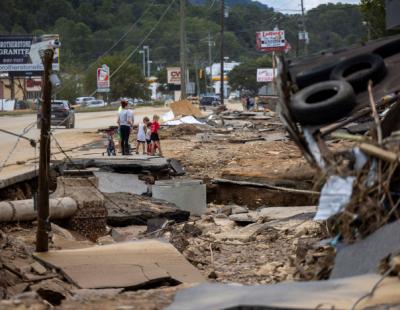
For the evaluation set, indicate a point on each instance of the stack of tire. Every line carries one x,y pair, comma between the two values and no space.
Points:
328,92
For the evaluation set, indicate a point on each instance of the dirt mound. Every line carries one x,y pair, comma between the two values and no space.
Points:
180,130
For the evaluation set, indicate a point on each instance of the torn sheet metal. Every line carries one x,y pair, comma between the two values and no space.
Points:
335,195
314,149
361,159
169,116
184,120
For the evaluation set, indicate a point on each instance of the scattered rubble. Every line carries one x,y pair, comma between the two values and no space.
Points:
128,209
253,198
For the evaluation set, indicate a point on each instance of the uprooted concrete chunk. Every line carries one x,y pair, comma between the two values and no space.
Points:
53,290
122,265
110,182
127,209
187,194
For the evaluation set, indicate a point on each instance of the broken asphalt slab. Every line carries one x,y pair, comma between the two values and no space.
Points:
332,294
364,256
123,265
134,164
127,209
24,174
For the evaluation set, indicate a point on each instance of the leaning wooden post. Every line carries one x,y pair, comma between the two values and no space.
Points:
42,236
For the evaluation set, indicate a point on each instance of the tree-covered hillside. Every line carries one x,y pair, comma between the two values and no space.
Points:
88,28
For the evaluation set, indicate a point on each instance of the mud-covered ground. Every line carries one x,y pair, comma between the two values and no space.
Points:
229,243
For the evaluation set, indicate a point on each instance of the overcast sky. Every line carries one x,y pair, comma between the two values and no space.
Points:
290,6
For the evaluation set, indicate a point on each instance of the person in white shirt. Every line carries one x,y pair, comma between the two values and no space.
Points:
141,135
125,123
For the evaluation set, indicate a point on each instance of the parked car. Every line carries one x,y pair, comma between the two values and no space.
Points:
135,102
95,104
62,114
81,101
212,100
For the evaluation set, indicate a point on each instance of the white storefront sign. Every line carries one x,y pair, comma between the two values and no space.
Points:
265,75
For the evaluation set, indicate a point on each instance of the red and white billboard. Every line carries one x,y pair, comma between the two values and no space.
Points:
271,41
103,79
174,75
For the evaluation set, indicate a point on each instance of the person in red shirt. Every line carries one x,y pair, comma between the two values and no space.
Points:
155,139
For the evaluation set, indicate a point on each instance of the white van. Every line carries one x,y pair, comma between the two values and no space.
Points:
82,101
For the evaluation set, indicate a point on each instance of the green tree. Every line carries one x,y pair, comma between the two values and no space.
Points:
374,14
127,82
244,76
70,88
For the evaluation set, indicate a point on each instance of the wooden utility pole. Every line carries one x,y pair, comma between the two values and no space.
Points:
183,49
42,236
210,63
12,87
196,65
222,51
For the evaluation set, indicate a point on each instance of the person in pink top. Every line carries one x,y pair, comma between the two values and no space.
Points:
155,139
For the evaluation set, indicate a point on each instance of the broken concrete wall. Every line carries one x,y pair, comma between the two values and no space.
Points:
189,195
91,217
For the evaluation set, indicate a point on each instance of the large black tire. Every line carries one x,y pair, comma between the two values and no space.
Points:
388,49
314,75
358,70
323,102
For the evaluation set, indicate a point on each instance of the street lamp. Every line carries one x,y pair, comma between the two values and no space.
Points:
146,47
144,61
149,62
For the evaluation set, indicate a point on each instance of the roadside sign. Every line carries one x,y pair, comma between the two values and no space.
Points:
265,75
174,75
271,41
103,79
303,36
20,55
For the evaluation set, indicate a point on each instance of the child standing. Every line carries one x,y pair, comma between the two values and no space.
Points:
141,135
148,137
155,139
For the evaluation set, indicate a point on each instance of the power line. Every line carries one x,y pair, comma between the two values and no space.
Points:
129,30
118,41
141,43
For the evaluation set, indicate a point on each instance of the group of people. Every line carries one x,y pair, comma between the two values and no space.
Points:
147,133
